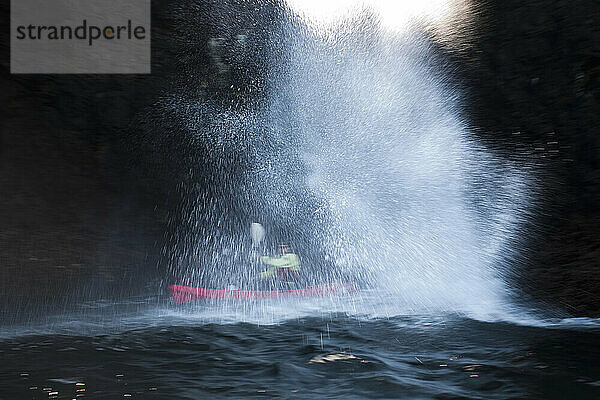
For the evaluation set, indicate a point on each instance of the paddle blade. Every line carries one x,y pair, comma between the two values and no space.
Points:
257,232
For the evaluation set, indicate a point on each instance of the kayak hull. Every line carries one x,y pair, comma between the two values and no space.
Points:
184,294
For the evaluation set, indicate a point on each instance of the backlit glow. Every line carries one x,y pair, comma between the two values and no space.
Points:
393,14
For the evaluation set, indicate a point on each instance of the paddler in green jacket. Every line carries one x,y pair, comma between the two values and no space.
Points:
285,266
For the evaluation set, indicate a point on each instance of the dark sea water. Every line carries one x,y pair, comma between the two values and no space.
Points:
107,350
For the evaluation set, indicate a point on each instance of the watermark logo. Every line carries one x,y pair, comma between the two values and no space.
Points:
80,36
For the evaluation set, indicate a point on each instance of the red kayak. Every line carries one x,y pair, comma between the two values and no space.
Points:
183,294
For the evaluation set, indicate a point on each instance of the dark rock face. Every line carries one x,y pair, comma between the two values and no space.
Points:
84,191
87,183
533,75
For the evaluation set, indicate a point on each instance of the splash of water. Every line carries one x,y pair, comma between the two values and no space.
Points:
362,155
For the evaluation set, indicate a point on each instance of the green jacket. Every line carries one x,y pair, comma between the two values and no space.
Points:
290,260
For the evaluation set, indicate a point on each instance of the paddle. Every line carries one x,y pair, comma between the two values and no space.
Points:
257,232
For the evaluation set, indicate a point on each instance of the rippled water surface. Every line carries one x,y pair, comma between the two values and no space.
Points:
109,351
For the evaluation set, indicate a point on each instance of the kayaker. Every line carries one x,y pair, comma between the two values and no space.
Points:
284,267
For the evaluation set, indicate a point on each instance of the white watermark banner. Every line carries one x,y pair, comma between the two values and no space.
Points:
80,36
